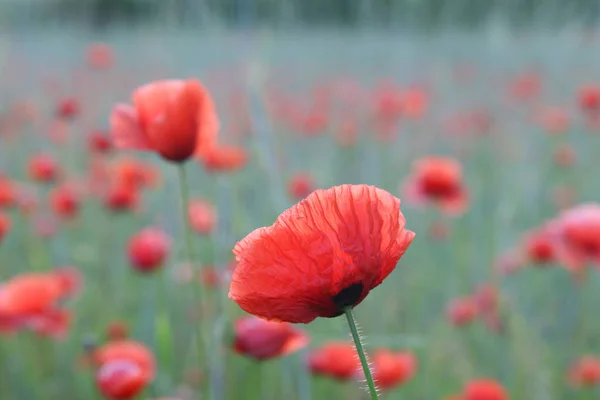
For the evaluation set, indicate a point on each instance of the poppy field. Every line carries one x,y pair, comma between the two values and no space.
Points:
299,216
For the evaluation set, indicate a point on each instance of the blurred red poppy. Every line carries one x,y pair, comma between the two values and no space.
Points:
439,180
43,168
337,360
5,225
65,201
203,216
133,172
320,256
262,340
99,142
462,311
300,185
68,108
148,249
484,389
120,380
539,247
121,197
117,330
224,158
585,371
589,97
173,118
8,193
128,350
99,56
391,369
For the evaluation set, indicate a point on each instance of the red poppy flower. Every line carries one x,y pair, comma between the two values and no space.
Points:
462,311
43,168
99,142
224,158
554,120
577,233
120,380
539,247
68,108
589,97
128,350
148,249
8,193
488,302
5,225
122,197
439,180
130,171
65,201
484,389
203,216
346,134
320,256
54,323
526,86
99,56
585,371
414,103
173,118
262,340
337,360
301,185
391,369
117,330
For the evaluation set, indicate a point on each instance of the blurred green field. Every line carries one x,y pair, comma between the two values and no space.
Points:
510,171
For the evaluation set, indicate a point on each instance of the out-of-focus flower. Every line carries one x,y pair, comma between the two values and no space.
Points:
224,158
484,389
68,108
585,371
263,340
43,168
120,380
391,369
8,193
462,311
336,360
321,256
526,86
99,142
589,97
300,185
5,225
438,180
553,120
565,155
121,197
175,119
65,201
117,330
148,249
203,216
539,247
99,56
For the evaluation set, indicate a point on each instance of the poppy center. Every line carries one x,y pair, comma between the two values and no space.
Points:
348,296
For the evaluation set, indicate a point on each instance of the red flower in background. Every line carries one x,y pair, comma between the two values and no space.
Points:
262,340
589,97
526,86
462,311
175,118
585,371
539,247
99,142
484,389
203,216
43,168
337,360
391,369
554,120
68,108
5,225
125,368
121,197
301,185
117,330
438,180
65,201
224,158
148,249
99,56
8,193
320,256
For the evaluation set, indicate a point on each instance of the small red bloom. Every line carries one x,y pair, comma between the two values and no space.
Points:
585,371
484,389
43,168
8,193
462,311
262,340
122,197
526,86
129,350
65,201
320,256
99,56
439,180
99,142
589,97
148,249
554,120
120,380
5,225
130,171
539,247
173,118
225,158
391,369
337,360
203,216
68,108
301,185
117,330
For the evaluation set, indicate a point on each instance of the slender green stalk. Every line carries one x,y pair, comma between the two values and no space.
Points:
196,292
361,353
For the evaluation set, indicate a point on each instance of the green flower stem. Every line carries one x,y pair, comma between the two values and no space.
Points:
361,353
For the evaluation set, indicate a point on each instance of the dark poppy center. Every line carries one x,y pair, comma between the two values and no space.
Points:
348,296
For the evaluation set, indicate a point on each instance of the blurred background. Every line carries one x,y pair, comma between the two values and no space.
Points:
496,102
